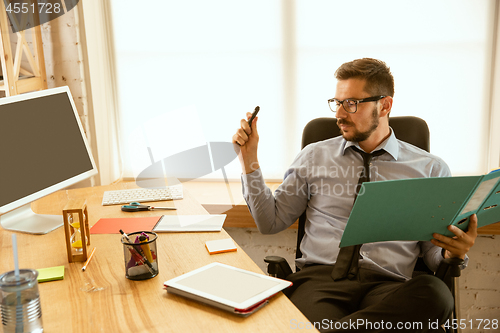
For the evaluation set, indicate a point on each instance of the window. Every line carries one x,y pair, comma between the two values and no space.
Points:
188,71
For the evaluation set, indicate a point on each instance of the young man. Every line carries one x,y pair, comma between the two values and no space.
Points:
379,293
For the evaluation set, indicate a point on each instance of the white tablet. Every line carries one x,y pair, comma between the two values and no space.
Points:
226,287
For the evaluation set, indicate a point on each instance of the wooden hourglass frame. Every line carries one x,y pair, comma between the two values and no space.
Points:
76,229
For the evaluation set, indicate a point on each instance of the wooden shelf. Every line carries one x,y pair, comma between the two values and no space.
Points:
17,79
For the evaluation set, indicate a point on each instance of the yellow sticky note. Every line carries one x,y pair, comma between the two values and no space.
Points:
50,274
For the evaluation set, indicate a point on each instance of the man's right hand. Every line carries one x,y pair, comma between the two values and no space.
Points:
247,139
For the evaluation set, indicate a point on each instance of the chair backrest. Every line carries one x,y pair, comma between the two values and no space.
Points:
409,129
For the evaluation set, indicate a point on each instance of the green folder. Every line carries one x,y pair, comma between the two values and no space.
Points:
414,209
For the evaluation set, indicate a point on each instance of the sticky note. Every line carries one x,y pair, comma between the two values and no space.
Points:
220,245
50,274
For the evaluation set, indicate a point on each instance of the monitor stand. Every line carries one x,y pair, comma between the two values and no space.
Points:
23,219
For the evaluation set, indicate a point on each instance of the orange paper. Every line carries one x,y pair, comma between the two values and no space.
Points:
127,224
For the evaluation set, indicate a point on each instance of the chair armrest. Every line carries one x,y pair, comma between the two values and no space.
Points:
448,270
277,267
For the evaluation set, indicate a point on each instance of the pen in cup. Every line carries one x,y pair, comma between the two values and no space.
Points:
143,238
137,254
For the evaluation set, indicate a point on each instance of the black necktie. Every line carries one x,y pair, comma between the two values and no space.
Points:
346,265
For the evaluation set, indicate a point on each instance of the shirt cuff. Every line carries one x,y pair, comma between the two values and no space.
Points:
253,183
466,260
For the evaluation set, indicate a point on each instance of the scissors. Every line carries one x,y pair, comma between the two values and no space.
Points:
135,207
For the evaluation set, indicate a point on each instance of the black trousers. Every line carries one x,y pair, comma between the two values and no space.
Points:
372,303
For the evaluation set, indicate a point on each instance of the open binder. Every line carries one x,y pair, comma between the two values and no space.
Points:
414,209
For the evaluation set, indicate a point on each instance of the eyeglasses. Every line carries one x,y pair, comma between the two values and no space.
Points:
350,105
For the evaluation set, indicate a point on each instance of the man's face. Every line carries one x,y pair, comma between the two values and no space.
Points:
357,126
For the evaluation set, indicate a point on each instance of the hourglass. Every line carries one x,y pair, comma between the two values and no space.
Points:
76,229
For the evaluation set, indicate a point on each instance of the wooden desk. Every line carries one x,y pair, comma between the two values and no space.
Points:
101,299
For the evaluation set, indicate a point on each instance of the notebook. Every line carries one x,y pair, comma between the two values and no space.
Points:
186,223
229,288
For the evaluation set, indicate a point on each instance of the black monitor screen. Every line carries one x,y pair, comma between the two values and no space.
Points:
40,145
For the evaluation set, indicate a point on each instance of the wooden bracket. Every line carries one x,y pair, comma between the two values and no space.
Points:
16,78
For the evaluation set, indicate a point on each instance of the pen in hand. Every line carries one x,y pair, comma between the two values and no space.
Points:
254,114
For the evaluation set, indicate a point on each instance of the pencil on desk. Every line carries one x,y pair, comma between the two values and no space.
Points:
88,260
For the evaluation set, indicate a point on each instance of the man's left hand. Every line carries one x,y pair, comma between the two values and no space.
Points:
461,243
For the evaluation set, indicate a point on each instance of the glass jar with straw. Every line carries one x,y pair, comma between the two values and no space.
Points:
19,298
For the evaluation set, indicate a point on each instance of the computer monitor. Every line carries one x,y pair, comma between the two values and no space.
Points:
43,149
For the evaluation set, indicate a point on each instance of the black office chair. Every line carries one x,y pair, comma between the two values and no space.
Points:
409,129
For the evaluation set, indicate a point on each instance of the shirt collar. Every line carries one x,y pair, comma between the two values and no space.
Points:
390,145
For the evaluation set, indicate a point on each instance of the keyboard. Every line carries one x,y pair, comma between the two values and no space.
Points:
142,195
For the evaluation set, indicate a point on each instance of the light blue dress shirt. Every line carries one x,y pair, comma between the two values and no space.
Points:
321,181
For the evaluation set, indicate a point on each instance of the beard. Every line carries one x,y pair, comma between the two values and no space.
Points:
358,136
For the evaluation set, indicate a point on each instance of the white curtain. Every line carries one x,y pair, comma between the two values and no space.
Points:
99,47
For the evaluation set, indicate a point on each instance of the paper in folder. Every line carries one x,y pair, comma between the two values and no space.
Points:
414,209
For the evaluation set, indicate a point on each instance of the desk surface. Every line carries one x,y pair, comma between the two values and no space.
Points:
102,299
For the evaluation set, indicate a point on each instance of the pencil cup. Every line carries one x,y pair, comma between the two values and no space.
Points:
141,260
20,302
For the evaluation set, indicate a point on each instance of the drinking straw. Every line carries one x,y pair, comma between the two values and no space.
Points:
16,261
19,306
